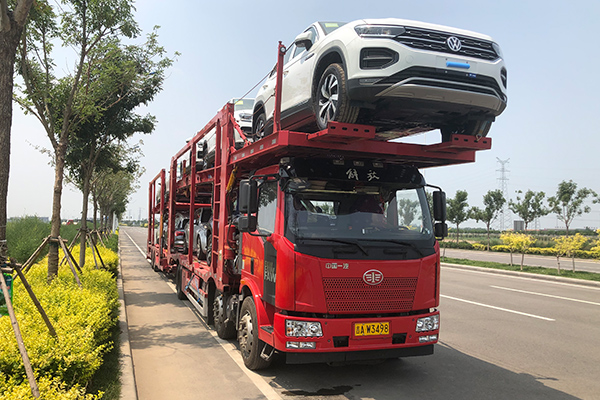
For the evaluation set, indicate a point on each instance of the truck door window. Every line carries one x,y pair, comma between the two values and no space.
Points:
267,207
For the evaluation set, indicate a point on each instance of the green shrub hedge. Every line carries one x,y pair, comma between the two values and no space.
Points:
83,319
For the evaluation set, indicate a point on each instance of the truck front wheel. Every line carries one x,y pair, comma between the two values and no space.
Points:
250,345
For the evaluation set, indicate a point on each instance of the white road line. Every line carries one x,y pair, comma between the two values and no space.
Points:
545,295
522,278
498,308
230,349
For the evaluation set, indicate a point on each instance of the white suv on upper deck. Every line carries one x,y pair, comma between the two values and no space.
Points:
401,76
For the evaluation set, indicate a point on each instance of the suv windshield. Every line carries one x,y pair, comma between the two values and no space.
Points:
329,27
381,214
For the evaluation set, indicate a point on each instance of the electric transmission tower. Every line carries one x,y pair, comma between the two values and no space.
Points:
504,220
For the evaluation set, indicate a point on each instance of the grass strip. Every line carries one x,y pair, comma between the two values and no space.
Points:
565,273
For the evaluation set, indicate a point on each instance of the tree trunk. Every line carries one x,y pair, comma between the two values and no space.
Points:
8,47
488,237
522,260
511,259
84,211
457,233
56,205
573,259
558,263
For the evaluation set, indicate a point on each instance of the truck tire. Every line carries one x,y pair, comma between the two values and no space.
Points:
250,345
331,101
179,283
209,248
225,329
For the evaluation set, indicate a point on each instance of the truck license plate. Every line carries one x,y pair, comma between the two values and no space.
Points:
372,329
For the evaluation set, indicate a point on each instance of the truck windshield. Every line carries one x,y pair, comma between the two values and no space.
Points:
378,214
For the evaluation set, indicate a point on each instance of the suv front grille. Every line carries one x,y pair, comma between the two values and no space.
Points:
353,295
426,39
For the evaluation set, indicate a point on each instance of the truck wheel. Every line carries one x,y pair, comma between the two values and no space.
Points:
153,261
331,101
208,248
179,283
225,329
250,345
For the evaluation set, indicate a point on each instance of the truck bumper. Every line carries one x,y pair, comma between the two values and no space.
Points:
342,341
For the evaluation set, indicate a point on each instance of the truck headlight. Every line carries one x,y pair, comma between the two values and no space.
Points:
430,323
303,328
386,31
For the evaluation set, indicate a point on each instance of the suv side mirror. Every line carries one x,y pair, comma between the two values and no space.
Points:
304,40
439,206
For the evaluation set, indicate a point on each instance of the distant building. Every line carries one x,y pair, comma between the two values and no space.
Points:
519,225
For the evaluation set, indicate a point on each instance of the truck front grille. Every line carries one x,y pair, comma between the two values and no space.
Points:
353,295
426,39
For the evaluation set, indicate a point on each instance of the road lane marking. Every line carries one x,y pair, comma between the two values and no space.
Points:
447,266
135,244
545,295
229,347
498,308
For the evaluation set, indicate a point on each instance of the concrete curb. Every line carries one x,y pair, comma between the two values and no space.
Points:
572,281
128,386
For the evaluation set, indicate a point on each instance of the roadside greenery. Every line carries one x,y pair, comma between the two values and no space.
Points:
590,276
84,319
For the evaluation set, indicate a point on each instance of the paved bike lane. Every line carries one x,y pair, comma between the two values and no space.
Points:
174,355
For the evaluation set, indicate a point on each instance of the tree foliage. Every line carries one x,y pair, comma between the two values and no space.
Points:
93,29
568,202
493,202
530,207
567,245
457,211
517,242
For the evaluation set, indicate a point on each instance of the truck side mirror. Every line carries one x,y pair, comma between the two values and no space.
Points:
247,223
439,206
248,196
440,230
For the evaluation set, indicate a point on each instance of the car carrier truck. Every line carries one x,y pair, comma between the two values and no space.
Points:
323,246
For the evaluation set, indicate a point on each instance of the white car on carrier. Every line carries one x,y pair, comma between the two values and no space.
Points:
401,76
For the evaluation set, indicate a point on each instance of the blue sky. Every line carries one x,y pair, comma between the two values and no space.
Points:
548,130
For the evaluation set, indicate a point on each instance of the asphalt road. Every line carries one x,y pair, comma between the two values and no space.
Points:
501,337
531,260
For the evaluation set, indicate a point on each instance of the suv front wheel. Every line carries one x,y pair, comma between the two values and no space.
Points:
331,101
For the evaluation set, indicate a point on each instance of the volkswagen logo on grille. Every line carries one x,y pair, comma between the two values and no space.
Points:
373,277
454,43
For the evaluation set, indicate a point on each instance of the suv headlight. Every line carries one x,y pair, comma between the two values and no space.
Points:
303,328
430,323
386,31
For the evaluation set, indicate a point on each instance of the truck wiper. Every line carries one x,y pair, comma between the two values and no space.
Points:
339,241
400,242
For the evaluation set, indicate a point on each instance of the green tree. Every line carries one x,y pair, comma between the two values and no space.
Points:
493,202
529,207
12,23
567,245
111,191
407,210
457,211
568,202
62,103
127,78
